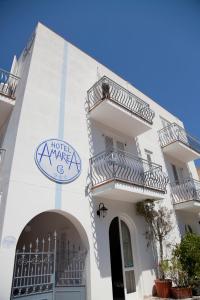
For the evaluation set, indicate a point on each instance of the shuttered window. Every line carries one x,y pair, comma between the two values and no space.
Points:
120,146
109,144
175,173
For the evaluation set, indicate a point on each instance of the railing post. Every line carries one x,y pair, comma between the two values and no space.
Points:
91,170
14,271
113,161
54,267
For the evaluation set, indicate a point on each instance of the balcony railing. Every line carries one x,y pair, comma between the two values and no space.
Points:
8,84
2,154
106,88
175,133
127,168
188,190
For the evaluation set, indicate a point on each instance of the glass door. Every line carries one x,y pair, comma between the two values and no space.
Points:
175,174
127,261
122,263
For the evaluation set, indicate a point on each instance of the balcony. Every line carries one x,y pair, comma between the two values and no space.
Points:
177,143
119,175
8,85
114,106
186,195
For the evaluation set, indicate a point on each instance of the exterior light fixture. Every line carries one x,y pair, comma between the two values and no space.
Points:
102,211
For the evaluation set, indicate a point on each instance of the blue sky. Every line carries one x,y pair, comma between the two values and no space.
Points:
153,44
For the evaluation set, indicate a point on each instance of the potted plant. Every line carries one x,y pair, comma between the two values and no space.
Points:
158,219
196,287
180,278
188,253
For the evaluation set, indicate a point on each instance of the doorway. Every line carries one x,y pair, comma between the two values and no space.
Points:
122,264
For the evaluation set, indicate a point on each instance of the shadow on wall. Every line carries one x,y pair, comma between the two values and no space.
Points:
100,228
139,153
98,242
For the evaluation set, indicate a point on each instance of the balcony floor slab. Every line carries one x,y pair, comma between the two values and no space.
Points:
181,152
190,206
117,190
109,113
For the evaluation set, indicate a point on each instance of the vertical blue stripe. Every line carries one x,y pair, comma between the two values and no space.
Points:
58,192
58,196
63,95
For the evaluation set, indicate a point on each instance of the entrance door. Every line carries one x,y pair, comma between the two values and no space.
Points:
116,261
122,266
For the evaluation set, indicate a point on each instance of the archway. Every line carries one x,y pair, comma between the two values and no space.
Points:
50,259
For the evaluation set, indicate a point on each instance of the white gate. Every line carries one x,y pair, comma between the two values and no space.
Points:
49,269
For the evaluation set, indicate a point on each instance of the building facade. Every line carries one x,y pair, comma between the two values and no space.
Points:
79,147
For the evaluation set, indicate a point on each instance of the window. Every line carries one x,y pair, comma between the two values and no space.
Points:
109,144
175,173
116,149
181,176
126,241
120,146
128,264
164,122
178,174
149,158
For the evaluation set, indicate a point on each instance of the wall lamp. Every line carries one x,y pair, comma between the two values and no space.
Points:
102,211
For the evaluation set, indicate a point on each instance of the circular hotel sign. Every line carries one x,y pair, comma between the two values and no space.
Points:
58,160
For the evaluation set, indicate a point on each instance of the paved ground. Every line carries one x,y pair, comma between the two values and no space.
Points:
157,298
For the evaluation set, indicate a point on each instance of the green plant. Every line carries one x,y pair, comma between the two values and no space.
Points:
177,273
164,266
188,253
159,224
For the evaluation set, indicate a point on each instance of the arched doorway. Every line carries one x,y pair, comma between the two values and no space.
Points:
122,263
50,260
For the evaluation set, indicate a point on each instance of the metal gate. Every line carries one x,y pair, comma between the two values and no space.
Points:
49,269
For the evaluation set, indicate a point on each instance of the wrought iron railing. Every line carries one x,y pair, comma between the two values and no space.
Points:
106,88
173,133
35,268
48,263
8,84
188,190
125,167
70,270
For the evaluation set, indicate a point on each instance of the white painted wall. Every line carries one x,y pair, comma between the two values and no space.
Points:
55,78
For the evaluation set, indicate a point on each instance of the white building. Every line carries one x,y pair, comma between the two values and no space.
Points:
74,138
